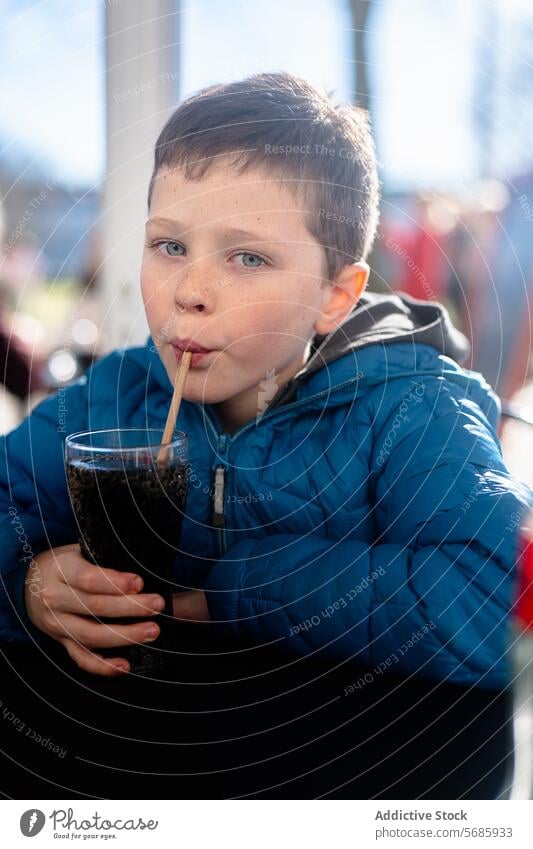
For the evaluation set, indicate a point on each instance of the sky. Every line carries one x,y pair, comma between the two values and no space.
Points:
51,92
424,66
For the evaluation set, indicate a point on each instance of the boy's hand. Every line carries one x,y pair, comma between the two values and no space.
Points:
191,605
63,591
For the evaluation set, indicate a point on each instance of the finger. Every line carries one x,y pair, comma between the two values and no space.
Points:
94,663
71,546
95,579
71,600
107,635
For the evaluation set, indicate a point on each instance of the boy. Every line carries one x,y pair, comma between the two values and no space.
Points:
348,497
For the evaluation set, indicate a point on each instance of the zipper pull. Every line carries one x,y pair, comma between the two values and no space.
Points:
218,519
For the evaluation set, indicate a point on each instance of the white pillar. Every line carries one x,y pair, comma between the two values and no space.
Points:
142,56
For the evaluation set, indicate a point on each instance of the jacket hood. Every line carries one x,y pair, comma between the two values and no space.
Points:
391,318
381,319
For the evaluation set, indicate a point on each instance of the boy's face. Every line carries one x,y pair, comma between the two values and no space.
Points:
254,299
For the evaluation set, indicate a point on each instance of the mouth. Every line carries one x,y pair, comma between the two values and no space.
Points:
198,352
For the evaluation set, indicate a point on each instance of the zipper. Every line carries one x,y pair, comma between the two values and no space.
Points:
218,515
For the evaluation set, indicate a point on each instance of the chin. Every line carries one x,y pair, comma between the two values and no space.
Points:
202,394
202,386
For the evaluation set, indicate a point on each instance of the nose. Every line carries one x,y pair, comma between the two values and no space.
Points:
191,294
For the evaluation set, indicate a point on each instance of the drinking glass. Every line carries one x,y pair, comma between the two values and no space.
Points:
129,508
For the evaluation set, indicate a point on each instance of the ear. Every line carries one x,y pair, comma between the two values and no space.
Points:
341,295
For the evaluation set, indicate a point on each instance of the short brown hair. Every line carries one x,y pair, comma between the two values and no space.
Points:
281,124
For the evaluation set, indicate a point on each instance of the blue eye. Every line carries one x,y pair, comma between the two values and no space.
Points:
170,248
175,249
254,260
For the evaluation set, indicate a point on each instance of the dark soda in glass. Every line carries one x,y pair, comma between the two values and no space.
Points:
129,511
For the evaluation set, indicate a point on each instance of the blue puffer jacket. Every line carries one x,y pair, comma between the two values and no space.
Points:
366,513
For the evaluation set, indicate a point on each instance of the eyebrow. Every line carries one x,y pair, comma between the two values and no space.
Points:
234,232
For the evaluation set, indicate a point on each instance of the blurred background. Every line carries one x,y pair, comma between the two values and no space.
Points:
86,87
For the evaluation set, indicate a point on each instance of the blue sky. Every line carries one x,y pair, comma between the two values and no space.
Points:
423,66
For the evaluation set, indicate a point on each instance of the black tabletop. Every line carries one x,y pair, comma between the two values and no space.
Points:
232,721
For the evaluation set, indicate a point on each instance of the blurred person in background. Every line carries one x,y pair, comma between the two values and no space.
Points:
19,372
423,249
